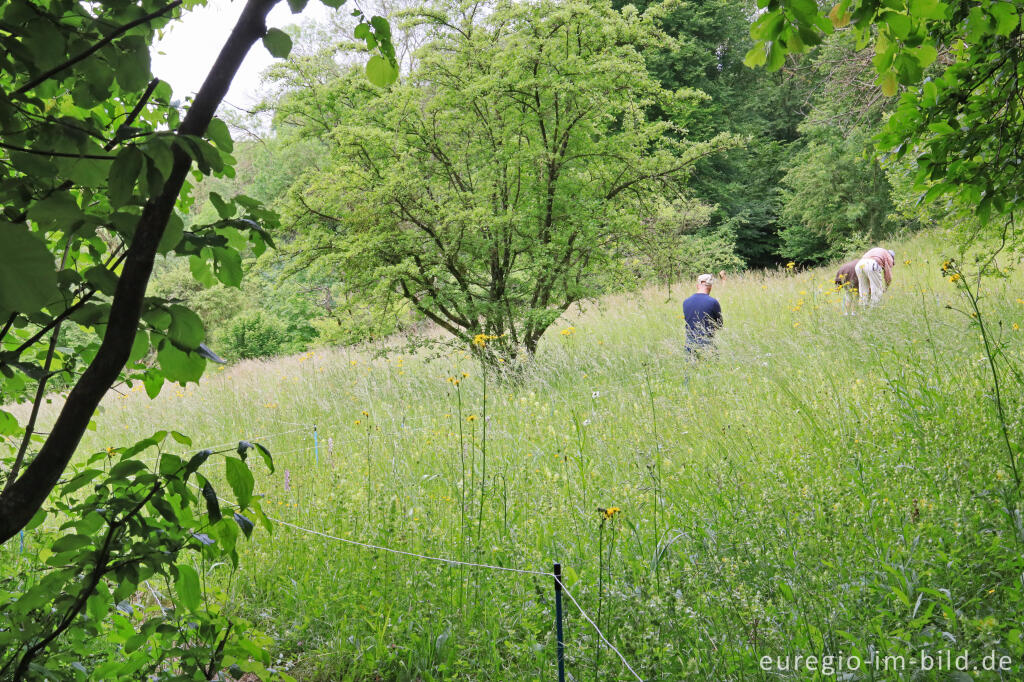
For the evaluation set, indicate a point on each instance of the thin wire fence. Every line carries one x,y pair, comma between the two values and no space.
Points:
457,562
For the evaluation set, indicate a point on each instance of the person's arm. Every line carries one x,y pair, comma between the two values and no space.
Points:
718,314
887,271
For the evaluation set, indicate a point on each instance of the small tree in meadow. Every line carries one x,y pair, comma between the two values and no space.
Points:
503,179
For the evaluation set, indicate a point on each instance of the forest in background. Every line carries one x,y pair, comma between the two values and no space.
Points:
794,179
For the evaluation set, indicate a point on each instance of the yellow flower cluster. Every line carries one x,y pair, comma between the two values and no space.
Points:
568,331
790,265
480,340
608,513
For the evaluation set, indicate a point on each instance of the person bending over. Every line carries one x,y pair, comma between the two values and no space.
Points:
846,281
872,268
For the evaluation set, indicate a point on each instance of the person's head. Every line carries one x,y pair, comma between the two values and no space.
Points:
704,283
892,254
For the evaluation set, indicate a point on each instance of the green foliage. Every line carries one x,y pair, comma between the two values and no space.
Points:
959,63
494,214
835,193
672,247
93,181
253,334
708,41
120,590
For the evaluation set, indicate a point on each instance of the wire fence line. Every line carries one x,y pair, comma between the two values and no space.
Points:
455,562
598,630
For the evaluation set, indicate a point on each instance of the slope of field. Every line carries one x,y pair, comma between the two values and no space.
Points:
823,485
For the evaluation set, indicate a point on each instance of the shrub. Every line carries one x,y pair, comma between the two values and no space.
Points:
253,335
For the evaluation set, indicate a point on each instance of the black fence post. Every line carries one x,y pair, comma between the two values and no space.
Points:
558,622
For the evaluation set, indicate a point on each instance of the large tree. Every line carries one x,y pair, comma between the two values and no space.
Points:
499,183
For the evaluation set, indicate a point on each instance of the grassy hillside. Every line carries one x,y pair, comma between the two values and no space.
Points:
824,485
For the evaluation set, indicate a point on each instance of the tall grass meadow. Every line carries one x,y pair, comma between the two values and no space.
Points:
821,485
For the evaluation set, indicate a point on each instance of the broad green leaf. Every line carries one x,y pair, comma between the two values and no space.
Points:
297,6
187,587
382,28
219,134
133,67
228,266
178,365
153,380
226,532
926,54
928,9
181,438
140,346
80,479
776,57
201,271
267,459
101,279
69,543
380,71
803,9
186,327
756,56
224,209
28,275
124,172
59,209
278,43
158,150
888,83
899,24
8,424
240,479
1006,17
172,234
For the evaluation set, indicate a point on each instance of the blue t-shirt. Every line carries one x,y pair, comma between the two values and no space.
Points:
703,316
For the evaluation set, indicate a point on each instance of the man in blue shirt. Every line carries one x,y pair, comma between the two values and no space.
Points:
703,315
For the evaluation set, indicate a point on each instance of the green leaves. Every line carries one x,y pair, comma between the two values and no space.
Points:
124,172
186,329
380,71
178,365
278,43
220,135
240,479
28,277
187,587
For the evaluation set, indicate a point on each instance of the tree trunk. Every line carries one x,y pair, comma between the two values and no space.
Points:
20,502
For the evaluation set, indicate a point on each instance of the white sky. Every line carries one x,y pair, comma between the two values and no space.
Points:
190,46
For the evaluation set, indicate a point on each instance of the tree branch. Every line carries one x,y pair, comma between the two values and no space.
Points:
21,501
